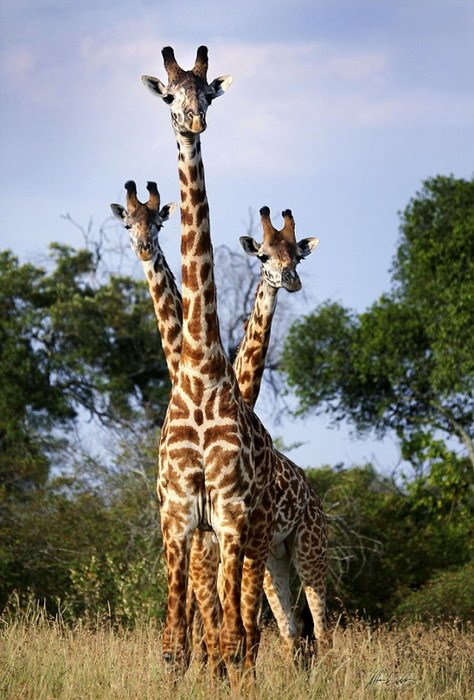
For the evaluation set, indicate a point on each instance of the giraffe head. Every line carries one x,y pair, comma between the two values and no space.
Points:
188,93
143,221
280,252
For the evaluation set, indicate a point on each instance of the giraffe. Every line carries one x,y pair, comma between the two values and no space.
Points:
216,458
300,534
279,255
143,222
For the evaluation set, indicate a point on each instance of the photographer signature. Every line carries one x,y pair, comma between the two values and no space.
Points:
389,679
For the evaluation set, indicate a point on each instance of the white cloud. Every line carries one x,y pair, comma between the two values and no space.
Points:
288,107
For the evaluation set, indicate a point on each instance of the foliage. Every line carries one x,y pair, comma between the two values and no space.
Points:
29,403
434,272
407,363
387,538
72,341
42,536
122,591
448,595
75,343
91,546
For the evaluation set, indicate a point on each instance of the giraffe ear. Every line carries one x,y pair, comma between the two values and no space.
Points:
250,245
155,86
119,212
307,245
220,85
167,211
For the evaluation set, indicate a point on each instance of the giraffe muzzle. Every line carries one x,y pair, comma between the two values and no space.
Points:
145,251
290,280
197,123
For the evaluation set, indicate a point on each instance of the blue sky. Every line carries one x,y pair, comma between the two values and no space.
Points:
339,110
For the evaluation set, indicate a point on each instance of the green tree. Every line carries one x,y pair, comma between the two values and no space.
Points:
69,342
407,363
30,403
93,546
74,343
388,539
447,595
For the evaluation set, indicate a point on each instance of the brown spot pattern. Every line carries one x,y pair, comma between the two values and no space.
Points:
246,468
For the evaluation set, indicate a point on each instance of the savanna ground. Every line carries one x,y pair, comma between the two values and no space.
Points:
42,658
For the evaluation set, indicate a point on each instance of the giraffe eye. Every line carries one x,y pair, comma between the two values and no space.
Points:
262,257
168,99
128,227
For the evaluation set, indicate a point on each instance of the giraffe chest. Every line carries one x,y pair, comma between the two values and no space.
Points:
202,428
211,457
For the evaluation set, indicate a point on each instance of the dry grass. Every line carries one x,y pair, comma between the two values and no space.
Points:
42,659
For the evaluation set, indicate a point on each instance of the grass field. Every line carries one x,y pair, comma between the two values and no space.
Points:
40,659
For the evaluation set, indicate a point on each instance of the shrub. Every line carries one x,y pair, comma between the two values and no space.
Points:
447,595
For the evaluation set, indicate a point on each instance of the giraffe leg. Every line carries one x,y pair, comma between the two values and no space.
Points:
204,563
277,589
196,637
256,554
195,629
252,587
232,633
174,642
310,559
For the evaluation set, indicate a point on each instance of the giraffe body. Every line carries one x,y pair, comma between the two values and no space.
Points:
216,467
300,533
299,529
216,470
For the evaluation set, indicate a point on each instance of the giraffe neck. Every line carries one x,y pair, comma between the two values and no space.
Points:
250,360
202,348
168,308
251,354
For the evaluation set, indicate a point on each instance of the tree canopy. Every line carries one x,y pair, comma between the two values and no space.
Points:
77,344
407,362
70,342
